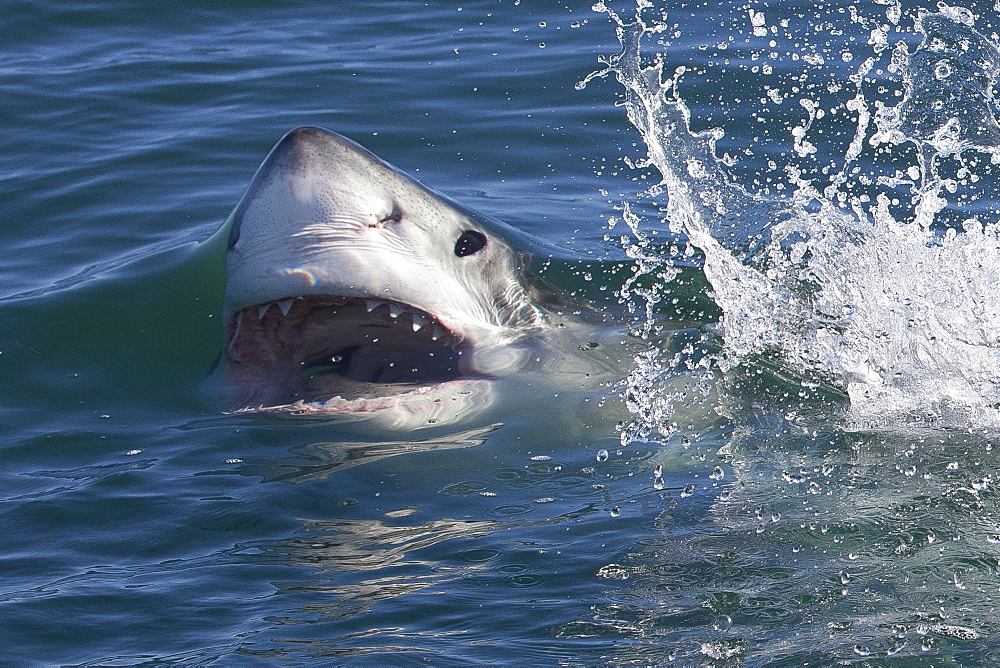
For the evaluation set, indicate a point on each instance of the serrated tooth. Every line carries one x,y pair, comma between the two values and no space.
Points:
438,333
262,309
418,322
395,310
372,304
236,329
285,305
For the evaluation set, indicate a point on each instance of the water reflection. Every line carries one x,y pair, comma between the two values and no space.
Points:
828,546
317,461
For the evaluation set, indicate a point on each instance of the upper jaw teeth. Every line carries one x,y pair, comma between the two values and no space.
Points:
396,310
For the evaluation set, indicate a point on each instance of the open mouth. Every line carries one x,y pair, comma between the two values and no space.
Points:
315,348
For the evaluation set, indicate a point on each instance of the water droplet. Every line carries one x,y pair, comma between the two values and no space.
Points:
616,511
602,455
717,473
722,623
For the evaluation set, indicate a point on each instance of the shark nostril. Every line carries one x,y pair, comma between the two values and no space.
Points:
394,216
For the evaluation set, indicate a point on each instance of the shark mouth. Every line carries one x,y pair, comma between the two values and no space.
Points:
333,354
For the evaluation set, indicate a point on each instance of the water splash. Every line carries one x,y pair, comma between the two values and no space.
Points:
883,283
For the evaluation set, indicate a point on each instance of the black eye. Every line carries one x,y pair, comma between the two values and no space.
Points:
470,242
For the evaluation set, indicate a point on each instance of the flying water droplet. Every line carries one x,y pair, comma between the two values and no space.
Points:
722,623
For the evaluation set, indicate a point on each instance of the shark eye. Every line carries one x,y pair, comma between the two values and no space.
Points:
470,242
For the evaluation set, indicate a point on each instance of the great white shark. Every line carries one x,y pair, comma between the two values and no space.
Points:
355,292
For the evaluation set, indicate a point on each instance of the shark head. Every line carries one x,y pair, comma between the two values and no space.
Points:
353,290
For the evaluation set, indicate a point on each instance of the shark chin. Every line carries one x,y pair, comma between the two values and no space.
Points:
355,293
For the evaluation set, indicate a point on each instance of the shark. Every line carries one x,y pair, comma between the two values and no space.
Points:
355,293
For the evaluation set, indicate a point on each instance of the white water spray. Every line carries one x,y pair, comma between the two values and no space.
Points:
885,282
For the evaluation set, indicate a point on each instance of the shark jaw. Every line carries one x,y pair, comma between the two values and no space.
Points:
336,355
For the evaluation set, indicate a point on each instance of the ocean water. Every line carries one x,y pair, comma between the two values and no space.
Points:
791,205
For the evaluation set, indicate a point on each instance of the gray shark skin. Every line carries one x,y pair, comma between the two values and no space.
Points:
355,293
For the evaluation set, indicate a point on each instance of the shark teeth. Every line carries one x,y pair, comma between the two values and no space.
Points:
416,318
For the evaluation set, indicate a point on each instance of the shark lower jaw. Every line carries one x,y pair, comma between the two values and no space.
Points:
416,407
340,353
